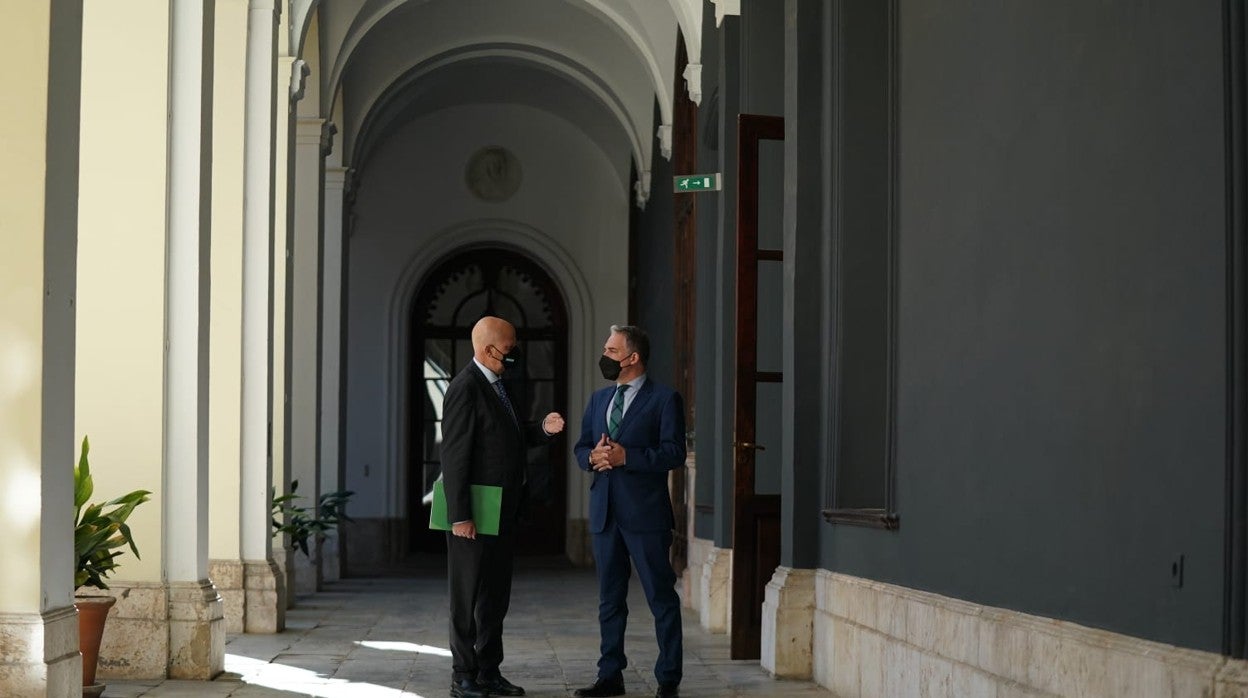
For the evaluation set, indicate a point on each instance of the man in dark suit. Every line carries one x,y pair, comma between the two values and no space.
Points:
483,443
632,434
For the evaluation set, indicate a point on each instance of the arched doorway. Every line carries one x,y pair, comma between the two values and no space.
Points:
457,292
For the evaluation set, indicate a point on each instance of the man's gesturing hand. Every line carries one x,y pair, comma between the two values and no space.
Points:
553,424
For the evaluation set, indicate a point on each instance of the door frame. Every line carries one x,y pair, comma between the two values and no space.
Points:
756,518
413,433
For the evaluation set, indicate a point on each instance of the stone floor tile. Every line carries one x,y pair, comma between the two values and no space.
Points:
387,638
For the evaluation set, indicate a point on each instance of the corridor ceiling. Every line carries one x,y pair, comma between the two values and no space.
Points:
600,64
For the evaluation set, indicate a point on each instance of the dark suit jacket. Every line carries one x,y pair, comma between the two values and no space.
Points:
481,445
653,436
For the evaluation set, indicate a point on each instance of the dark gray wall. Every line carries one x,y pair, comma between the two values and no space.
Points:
655,271
1061,362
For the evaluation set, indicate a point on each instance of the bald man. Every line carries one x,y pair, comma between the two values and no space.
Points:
483,443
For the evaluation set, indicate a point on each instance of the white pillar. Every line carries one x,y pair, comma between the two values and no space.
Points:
265,600
196,627
331,357
283,137
304,348
39,210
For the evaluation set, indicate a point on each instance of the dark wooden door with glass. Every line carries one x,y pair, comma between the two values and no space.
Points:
756,470
459,291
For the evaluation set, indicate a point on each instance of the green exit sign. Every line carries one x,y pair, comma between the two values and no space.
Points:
698,182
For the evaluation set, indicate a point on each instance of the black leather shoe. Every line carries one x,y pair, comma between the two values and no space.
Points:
670,690
602,687
467,688
498,686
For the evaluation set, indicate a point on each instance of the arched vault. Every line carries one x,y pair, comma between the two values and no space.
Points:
618,51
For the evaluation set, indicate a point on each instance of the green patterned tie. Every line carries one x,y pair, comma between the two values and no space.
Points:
617,412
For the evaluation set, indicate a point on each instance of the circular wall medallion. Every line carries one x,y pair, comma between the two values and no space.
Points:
493,173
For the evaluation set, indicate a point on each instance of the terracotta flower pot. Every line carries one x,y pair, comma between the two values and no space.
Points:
92,612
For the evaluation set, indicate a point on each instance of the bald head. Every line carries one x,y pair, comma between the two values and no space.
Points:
492,332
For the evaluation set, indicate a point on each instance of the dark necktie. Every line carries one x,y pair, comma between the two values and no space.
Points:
502,395
617,412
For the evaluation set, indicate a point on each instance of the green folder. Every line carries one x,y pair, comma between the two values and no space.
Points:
487,504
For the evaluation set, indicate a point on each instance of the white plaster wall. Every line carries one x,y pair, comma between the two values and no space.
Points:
571,213
120,358
226,333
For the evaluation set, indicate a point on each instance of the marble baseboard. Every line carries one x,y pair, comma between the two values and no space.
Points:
871,639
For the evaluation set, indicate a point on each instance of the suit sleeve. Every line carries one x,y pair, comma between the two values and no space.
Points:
458,427
669,452
535,435
585,444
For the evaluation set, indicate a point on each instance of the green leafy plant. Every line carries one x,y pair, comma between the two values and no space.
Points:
301,523
97,532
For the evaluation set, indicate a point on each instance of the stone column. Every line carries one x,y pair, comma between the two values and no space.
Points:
788,623
39,207
332,288
305,335
196,625
264,587
280,312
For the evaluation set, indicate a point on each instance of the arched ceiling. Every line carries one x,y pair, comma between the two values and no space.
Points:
506,81
619,52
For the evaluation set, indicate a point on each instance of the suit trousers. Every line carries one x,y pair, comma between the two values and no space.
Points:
479,581
648,550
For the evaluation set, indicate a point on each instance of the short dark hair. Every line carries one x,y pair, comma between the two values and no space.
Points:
636,340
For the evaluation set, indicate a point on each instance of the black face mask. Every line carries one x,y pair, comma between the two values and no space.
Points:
512,360
610,367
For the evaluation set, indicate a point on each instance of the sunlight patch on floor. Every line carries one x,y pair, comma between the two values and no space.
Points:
279,677
403,647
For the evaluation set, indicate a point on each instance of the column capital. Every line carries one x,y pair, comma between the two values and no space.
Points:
693,82
299,72
723,8
642,188
664,135
328,130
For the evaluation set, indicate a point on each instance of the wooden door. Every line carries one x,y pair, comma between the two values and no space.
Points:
756,517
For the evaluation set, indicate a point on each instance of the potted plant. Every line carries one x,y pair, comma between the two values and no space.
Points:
98,532
302,523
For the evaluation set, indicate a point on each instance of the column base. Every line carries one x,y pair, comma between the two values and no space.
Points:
265,603
307,571
159,631
39,653
331,563
715,609
691,581
196,631
284,559
227,577
788,618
